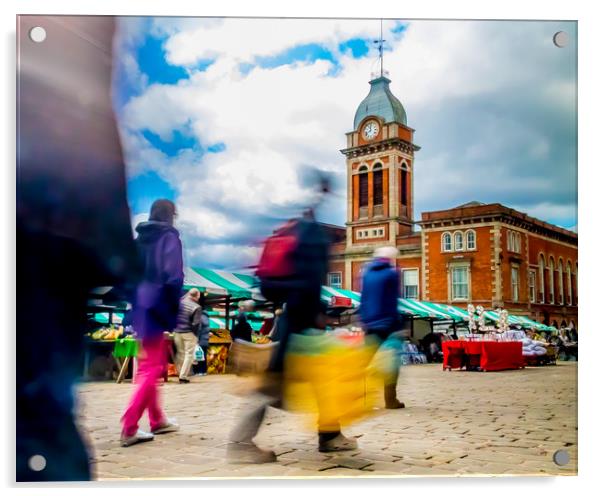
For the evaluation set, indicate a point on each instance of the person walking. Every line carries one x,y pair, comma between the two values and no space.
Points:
186,332
305,244
203,334
73,232
242,329
155,311
378,309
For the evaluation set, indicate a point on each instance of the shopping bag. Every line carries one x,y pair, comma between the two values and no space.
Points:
330,376
199,355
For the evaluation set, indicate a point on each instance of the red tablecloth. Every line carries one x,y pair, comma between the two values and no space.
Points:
488,355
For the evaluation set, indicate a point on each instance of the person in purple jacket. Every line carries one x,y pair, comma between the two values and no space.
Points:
381,288
155,311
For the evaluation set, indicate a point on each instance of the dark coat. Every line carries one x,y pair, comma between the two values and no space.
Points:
242,329
380,292
158,295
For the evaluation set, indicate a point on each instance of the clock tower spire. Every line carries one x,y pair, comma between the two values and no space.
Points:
380,163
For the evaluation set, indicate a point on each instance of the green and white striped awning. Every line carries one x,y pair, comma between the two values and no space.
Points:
409,308
219,323
221,282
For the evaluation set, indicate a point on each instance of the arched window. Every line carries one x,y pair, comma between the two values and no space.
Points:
542,280
551,275
560,282
363,193
517,242
377,184
471,240
458,241
446,242
403,186
569,284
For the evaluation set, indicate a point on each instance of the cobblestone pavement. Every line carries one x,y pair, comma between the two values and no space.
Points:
455,423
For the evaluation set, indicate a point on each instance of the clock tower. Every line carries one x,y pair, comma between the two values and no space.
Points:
380,164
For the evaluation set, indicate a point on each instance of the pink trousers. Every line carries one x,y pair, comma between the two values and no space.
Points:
151,367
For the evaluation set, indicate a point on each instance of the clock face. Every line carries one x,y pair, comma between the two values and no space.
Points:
371,130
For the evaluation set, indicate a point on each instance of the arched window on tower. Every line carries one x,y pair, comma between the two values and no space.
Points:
551,276
560,282
377,189
542,279
363,191
403,189
569,284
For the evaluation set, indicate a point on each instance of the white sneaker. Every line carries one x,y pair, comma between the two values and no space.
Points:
139,437
170,425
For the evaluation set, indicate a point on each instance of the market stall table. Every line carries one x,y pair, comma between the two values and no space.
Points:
486,355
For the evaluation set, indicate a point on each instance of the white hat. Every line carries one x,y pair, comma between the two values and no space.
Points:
389,252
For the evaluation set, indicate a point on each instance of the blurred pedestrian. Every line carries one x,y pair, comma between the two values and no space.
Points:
293,271
242,329
155,311
378,309
204,333
73,230
186,332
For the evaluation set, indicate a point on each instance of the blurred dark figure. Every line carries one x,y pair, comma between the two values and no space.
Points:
186,333
204,333
292,273
378,308
242,329
155,311
73,228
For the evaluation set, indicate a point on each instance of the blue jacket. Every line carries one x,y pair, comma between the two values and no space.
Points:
158,295
380,292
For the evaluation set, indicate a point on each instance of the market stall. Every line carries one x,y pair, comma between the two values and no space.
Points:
483,355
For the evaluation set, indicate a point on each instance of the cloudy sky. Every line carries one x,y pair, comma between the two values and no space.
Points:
227,116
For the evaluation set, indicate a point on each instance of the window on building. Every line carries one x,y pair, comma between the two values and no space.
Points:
569,284
542,280
363,190
335,280
381,232
377,186
560,282
517,242
404,187
551,276
458,241
471,240
446,242
459,283
509,240
515,283
532,286
410,283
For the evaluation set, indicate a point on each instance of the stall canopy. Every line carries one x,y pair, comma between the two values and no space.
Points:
222,283
409,308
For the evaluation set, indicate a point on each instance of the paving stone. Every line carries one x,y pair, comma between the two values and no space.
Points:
350,462
454,424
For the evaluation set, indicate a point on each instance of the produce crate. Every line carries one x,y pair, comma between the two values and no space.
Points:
249,358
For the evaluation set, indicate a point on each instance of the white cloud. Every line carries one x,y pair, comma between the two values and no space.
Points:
275,122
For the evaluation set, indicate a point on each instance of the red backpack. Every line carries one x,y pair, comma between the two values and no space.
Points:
277,258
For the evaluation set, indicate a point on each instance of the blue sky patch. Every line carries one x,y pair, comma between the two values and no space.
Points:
152,62
144,189
358,47
301,53
171,148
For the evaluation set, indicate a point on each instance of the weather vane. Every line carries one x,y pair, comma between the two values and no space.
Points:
380,44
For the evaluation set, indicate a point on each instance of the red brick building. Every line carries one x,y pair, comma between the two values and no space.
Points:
476,253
